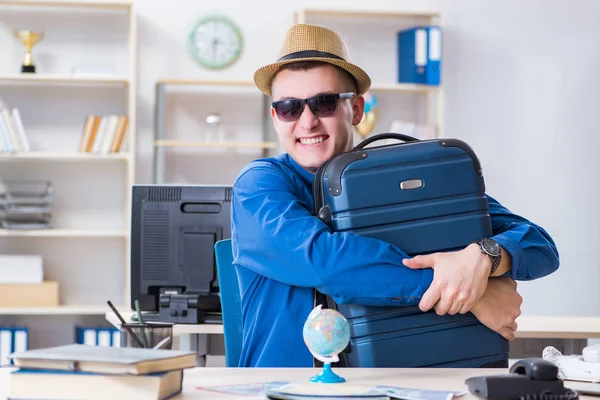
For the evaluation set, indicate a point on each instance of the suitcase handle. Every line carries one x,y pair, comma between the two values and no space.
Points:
382,136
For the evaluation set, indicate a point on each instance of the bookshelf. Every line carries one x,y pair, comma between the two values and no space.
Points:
64,156
64,233
181,143
87,5
62,79
423,103
61,310
87,249
166,136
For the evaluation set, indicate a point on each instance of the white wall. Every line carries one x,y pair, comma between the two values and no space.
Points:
521,84
521,81
519,77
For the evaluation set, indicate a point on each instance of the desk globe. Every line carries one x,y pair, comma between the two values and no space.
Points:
326,334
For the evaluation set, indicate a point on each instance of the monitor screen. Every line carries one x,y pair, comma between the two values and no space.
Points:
173,232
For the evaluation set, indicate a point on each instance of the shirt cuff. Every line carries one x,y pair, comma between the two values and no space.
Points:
512,247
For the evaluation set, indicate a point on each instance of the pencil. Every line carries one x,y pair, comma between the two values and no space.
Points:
124,324
141,321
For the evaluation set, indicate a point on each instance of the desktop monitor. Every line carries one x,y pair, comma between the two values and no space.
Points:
173,232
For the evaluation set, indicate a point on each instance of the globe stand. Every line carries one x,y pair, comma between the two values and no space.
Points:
327,376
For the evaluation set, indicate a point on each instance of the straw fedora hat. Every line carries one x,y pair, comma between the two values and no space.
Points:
304,42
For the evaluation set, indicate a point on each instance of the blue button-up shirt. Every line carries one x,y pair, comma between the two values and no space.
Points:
282,252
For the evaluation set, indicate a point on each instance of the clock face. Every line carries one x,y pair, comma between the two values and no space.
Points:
215,42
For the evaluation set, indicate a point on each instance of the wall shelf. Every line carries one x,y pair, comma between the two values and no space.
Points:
65,233
180,143
109,4
200,82
322,12
60,310
46,79
403,87
66,156
161,140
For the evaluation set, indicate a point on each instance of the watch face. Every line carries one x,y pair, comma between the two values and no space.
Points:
491,247
215,42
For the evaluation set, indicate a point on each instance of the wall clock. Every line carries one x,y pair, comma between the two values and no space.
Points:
215,42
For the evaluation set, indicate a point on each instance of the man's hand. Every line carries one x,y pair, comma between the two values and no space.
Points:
460,278
499,307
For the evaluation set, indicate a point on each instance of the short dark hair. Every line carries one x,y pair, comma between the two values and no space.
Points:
309,64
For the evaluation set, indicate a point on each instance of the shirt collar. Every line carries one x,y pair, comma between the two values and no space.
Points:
306,176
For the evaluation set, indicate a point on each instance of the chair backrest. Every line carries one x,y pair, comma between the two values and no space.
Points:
230,302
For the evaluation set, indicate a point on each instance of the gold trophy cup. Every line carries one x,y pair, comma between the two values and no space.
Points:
29,39
370,116
367,123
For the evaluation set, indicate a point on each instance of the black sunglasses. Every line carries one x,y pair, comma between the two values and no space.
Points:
322,105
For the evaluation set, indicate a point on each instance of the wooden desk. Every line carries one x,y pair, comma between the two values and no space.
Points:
529,327
558,327
439,379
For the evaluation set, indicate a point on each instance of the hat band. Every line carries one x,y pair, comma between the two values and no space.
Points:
309,54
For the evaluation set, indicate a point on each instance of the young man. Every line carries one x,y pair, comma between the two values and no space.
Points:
283,252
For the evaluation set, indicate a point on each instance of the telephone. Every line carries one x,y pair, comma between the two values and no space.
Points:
528,379
585,367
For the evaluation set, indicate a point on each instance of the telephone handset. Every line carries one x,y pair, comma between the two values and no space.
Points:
529,379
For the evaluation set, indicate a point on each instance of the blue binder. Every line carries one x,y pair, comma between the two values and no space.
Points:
14,339
433,69
420,55
412,55
95,336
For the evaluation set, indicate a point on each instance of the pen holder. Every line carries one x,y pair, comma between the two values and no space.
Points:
154,333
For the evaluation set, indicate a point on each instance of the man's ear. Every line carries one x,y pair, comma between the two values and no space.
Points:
358,109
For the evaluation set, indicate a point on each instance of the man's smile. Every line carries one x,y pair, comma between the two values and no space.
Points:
312,140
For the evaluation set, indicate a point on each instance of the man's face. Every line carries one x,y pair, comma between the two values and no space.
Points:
310,140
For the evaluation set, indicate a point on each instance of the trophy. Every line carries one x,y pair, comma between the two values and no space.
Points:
29,39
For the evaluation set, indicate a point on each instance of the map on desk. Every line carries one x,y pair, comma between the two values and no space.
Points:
245,389
392,392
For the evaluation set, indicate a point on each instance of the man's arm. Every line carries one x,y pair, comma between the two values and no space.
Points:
461,277
278,237
528,250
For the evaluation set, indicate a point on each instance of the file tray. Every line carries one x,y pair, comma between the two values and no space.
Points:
26,192
406,337
24,209
26,204
25,221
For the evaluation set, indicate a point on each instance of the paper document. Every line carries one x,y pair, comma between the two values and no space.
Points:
295,390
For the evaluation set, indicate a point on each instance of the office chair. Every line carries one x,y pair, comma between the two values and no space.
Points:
230,302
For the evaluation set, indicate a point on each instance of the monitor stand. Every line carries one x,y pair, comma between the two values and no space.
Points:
208,318
189,308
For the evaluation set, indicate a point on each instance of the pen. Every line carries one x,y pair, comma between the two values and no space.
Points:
163,343
141,321
124,324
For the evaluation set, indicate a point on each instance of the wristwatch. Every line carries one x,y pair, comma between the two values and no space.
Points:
492,249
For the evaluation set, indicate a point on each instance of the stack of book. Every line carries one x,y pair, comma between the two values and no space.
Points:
26,204
12,132
104,134
91,372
